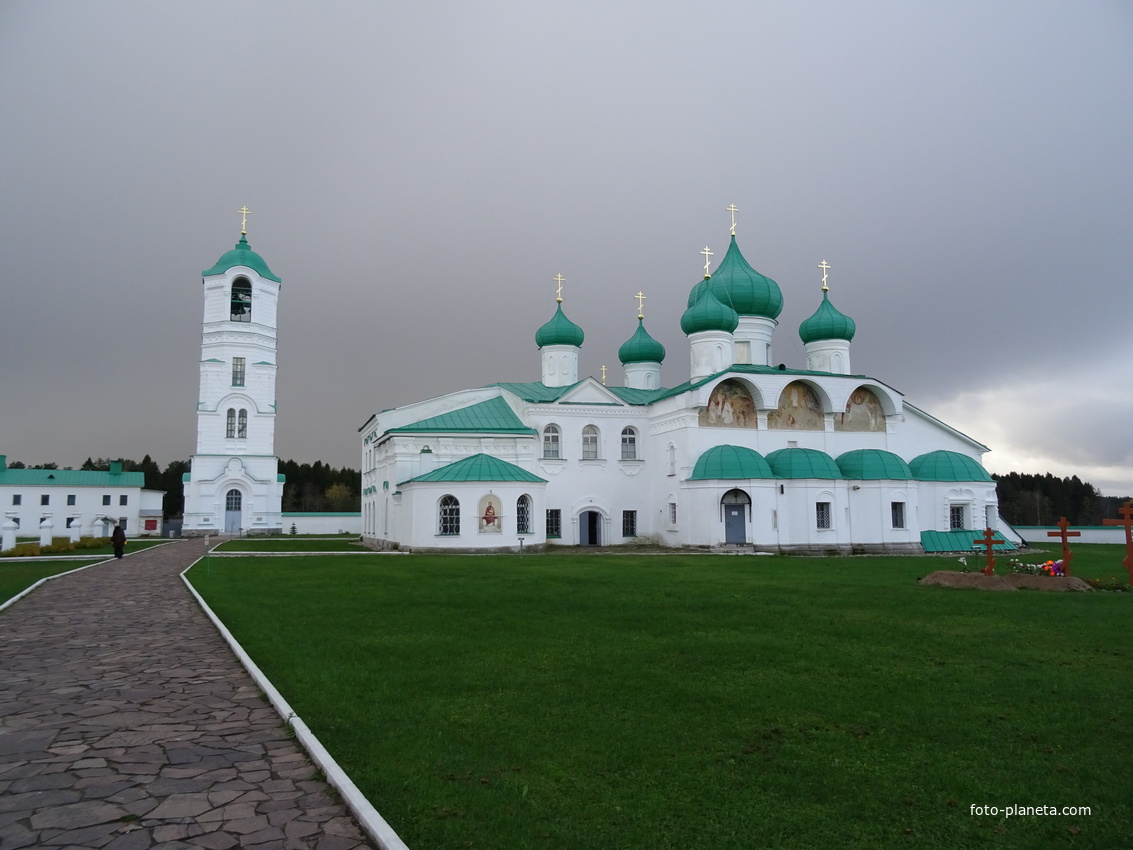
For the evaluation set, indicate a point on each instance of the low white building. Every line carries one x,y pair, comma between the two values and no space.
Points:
48,503
745,453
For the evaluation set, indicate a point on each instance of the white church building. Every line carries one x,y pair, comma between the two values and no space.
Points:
744,454
234,485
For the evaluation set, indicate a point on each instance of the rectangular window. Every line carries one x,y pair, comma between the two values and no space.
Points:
629,444
122,500
589,443
238,371
242,428
672,513
17,499
45,499
551,443
629,523
71,499
70,521
956,517
554,523
898,511
106,499
122,522
822,514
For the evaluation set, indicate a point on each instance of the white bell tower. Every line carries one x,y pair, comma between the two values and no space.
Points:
234,485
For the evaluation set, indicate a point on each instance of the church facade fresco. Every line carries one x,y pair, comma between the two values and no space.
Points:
863,413
729,406
799,410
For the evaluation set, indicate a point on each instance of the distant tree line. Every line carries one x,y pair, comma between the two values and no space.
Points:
1042,499
309,487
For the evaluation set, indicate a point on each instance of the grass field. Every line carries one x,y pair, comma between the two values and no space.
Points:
291,544
574,700
18,576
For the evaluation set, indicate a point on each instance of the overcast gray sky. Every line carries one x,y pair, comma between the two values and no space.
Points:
418,173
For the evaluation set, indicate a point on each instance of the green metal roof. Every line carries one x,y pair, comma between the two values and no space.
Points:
242,255
709,314
492,416
741,287
827,323
559,331
960,541
535,391
943,465
730,462
70,478
641,347
802,463
478,467
873,465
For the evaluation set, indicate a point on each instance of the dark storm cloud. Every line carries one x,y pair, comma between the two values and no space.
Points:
418,173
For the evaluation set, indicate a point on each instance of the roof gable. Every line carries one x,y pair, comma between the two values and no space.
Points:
493,416
589,391
477,467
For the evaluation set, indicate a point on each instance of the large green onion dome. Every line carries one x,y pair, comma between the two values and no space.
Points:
242,255
741,287
641,347
709,314
827,323
559,331
943,465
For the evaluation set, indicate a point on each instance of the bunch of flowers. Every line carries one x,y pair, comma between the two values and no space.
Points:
1049,568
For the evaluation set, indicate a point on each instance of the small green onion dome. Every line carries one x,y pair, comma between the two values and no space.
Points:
942,465
730,463
744,289
873,465
709,314
641,347
559,331
827,323
802,463
242,255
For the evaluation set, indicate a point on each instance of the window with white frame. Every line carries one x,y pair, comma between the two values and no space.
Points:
629,523
449,516
554,522
241,307
71,499
17,499
523,514
672,514
45,499
822,515
230,424
238,371
956,518
106,499
629,444
123,500
590,443
551,435
242,426
897,510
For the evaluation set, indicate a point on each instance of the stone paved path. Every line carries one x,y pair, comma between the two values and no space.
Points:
126,723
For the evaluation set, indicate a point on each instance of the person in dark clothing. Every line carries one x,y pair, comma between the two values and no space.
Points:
118,539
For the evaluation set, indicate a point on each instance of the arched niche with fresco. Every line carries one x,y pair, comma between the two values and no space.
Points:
800,409
863,412
729,406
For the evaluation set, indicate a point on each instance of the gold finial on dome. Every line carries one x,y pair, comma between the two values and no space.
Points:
245,212
706,254
640,304
733,209
825,266
559,292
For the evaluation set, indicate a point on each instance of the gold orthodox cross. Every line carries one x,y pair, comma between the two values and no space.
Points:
640,304
706,254
603,376
825,266
559,292
244,211
733,209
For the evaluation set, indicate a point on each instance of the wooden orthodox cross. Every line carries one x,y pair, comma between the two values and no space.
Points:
1063,525
1127,512
990,542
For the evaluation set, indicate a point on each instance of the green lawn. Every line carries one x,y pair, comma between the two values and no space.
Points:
291,544
670,701
18,576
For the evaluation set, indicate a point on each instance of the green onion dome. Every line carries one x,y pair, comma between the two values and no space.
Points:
242,255
730,463
709,314
559,331
802,463
873,465
827,323
947,466
641,347
744,289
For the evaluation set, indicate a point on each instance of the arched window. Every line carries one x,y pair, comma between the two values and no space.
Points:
551,442
241,310
242,425
449,515
590,443
523,515
230,430
629,444
672,459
